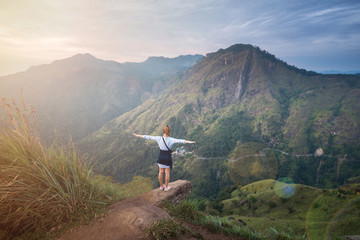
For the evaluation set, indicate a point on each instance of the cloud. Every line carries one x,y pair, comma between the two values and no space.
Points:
326,12
132,30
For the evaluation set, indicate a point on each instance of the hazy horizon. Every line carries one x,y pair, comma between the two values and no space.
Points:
318,36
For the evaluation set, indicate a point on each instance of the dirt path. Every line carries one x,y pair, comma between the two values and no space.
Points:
130,218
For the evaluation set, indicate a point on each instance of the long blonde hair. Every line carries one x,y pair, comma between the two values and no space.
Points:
167,130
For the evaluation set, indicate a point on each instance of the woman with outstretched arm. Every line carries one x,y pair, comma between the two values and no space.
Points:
164,161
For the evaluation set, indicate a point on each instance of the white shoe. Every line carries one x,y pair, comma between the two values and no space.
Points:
162,187
167,188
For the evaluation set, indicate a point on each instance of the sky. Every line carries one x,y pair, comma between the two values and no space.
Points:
316,35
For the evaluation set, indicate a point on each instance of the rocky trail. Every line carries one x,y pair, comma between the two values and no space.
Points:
129,219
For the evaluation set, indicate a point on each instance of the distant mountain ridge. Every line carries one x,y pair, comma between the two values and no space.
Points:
340,72
77,95
78,61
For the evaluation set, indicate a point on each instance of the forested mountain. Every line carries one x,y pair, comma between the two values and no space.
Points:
77,95
229,99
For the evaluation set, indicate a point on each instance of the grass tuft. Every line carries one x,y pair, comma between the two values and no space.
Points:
169,229
44,188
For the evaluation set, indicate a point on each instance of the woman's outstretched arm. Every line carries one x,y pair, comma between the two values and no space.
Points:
138,135
190,141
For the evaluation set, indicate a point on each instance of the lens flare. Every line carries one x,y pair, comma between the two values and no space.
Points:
333,213
285,187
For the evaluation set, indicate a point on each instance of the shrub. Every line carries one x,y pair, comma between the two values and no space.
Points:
187,210
169,229
316,205
272,204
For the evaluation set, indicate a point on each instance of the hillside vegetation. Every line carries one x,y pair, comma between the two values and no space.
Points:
284,205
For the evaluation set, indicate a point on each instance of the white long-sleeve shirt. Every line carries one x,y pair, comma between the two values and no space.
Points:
170,141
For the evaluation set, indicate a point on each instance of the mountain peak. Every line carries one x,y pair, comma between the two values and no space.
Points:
82,56
86,60
238,47
263,54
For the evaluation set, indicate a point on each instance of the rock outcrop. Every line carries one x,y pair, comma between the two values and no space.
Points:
180,189
319,152
129,218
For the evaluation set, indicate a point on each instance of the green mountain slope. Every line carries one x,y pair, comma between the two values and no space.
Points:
239,95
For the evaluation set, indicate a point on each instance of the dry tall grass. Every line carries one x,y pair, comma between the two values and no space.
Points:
42,187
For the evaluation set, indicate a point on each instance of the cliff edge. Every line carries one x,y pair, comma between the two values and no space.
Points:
129,218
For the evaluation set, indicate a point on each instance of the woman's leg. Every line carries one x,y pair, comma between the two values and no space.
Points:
167,176
161,176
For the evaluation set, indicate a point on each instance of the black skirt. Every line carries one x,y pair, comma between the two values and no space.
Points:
165,158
